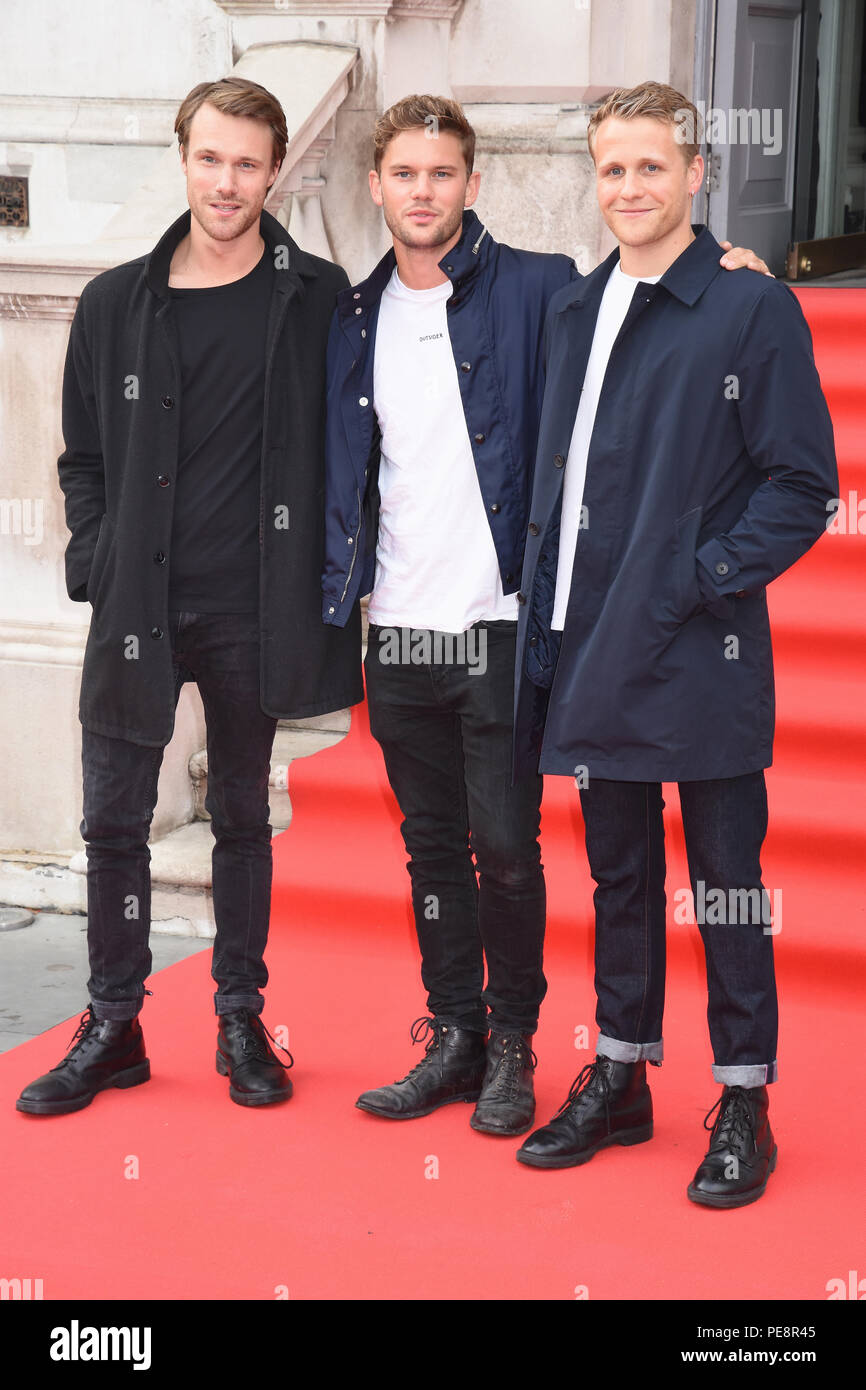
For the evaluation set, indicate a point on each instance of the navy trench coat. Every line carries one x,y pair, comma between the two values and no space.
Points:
710,467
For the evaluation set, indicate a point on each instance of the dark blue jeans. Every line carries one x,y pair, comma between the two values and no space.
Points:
445,730
220,652
725,822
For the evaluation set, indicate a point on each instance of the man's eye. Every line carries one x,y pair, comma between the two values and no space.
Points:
652,167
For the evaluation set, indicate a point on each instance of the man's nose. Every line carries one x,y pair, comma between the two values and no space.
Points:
423,187
632,185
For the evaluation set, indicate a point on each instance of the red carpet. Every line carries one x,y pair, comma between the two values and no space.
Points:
323,1200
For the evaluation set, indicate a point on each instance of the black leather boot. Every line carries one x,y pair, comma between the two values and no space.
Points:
451,1069
507,1101
256,1075
103,1053
742,1152
609,1103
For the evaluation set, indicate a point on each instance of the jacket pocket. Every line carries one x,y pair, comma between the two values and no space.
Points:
686,546
100,552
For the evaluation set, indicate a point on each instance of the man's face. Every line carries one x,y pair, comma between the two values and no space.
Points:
643,182
423,187
229,169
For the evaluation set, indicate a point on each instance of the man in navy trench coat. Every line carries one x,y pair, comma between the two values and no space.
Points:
709,462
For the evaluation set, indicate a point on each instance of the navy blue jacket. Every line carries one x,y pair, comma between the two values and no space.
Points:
709,470
496,320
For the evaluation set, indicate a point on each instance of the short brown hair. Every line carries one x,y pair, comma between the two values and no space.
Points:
661,103
235,96
424,112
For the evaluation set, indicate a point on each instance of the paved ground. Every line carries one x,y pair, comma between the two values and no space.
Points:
43,972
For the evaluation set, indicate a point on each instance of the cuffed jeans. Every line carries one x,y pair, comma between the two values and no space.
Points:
725,822
446,734
220,652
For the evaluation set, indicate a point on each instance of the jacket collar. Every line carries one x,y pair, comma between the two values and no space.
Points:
288,268
463,261
686,279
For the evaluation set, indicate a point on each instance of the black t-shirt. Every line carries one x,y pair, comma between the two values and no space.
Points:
214,559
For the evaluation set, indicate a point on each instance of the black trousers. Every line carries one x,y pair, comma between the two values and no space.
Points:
220,652
478,894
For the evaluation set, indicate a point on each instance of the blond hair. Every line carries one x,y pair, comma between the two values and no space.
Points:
657,101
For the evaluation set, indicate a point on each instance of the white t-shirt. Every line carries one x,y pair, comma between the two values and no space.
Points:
615,302
436,564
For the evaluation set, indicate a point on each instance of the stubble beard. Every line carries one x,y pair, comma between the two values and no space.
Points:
219,230
433,235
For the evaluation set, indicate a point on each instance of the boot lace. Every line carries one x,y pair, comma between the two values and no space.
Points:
255,1049
86,1024
589,1074
429,1029
516,1054
735,1123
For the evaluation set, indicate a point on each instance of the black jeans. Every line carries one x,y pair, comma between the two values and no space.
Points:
220,652
445,729
724,822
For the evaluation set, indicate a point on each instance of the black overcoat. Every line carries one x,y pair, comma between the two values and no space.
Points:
121,415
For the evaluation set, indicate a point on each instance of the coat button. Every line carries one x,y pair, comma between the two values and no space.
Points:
332,610
722,567
359,310
350,540
466,366
163,480
363,332
521,598
741,593
495,507
362,400
480,438
558,461
156,632
533,529
168,402
533,641
509,578
159,557
449,267
357,294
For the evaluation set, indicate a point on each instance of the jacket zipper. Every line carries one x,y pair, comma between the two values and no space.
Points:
355,544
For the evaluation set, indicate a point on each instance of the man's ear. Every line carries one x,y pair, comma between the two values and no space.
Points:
696,174
375,188
472,184
274,174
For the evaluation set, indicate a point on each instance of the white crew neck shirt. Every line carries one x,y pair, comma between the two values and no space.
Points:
436,564
617,297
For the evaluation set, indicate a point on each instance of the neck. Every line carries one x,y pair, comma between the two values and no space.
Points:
200,260
418,266
658,256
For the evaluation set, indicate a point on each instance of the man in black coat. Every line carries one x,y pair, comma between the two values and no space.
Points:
683,410
193,419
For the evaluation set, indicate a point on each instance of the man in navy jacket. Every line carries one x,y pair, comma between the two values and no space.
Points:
684,413
434,398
